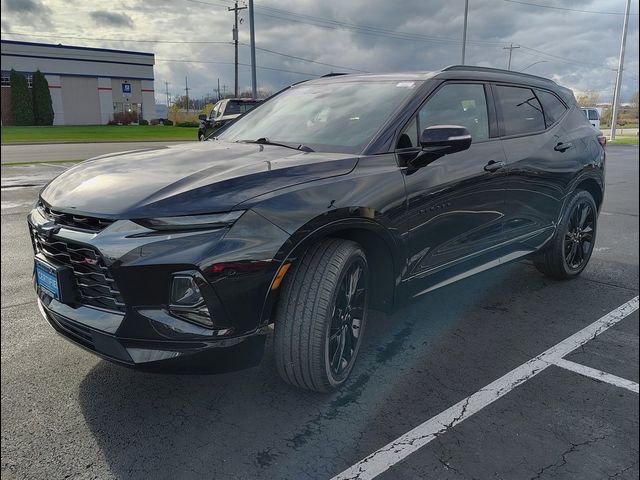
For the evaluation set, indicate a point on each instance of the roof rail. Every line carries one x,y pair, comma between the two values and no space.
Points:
474,68
333,74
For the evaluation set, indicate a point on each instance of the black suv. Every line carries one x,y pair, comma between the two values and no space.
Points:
334,196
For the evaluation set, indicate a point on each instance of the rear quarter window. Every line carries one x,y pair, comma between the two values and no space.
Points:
521,110
552,106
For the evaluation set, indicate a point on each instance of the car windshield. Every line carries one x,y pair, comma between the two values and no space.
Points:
337,117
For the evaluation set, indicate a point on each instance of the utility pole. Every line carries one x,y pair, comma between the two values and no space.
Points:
510,48
616,93
218,89
464,29
186,90
235,10
166,86
224,91
252,36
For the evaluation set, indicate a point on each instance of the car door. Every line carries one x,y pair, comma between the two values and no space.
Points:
455,204
541,161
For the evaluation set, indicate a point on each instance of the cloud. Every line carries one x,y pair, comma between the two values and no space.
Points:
578,50
111,19
26,12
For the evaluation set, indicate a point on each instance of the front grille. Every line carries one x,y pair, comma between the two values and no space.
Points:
77,222
94,284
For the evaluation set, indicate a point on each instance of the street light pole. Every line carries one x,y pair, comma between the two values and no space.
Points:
534,63
464,30
252,36
616,93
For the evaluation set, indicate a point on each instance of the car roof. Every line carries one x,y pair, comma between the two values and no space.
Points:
453,72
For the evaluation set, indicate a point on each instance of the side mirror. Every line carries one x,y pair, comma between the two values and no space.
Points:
438,141
202,117
445,139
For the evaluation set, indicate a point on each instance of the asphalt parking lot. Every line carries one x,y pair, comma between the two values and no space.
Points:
475,380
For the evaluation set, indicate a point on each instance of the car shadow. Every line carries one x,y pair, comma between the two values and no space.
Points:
250,424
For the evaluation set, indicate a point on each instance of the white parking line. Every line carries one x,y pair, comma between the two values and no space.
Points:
392,453
598,375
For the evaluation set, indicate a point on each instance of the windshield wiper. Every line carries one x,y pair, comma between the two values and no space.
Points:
266,141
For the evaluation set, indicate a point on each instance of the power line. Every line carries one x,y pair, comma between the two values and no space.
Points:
306,59
189,42
211,62
74,37
331,24
577,10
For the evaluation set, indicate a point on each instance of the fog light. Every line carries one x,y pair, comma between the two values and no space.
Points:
187,301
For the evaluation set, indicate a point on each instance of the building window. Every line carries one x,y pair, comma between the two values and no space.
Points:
29,78
6,79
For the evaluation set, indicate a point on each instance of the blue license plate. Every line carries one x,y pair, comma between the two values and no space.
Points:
47,279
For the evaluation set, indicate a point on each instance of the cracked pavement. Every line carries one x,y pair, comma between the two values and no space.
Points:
66,413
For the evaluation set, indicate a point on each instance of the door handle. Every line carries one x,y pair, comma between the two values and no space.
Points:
493,166
562,147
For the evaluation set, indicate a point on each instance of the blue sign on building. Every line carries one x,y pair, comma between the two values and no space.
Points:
126,88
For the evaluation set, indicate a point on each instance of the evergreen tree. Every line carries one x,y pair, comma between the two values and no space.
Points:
42,106
21,103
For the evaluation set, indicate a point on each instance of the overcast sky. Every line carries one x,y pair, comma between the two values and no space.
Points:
578,50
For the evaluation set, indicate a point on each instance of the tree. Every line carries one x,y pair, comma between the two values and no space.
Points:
588,98
21,102
634,105
42,106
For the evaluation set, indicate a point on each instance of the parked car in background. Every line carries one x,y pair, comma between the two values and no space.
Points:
593,115
222,113
334,196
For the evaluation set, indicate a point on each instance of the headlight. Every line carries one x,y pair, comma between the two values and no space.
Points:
191,222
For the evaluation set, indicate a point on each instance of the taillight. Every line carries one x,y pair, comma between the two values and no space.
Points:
602,140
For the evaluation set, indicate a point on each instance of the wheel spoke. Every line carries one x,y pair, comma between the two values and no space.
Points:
584,214
353,284
337,356
572,254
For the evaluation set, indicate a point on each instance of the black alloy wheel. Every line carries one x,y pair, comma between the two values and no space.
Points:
578,240
321,315
345,332
569,250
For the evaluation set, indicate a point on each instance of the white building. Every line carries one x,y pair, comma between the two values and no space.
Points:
87,85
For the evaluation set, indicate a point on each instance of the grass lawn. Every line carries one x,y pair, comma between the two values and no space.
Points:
96,133
625,140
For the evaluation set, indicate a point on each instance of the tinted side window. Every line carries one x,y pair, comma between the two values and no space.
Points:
458,104
553,107
593,115
521,111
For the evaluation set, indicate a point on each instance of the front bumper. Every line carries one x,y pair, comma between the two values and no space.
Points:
213,356
138,328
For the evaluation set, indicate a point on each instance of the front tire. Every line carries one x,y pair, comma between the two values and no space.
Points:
321,316
570,249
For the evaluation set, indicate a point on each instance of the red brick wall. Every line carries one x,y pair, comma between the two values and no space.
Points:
6,106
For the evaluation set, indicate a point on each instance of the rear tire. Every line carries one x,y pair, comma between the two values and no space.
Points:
570,249
321,316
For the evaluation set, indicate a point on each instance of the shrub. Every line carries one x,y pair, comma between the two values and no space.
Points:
187,124
21,101
112,122
155,121
42,106
168,123
125,118
143,122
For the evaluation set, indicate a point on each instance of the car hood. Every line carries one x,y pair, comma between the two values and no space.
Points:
186,179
